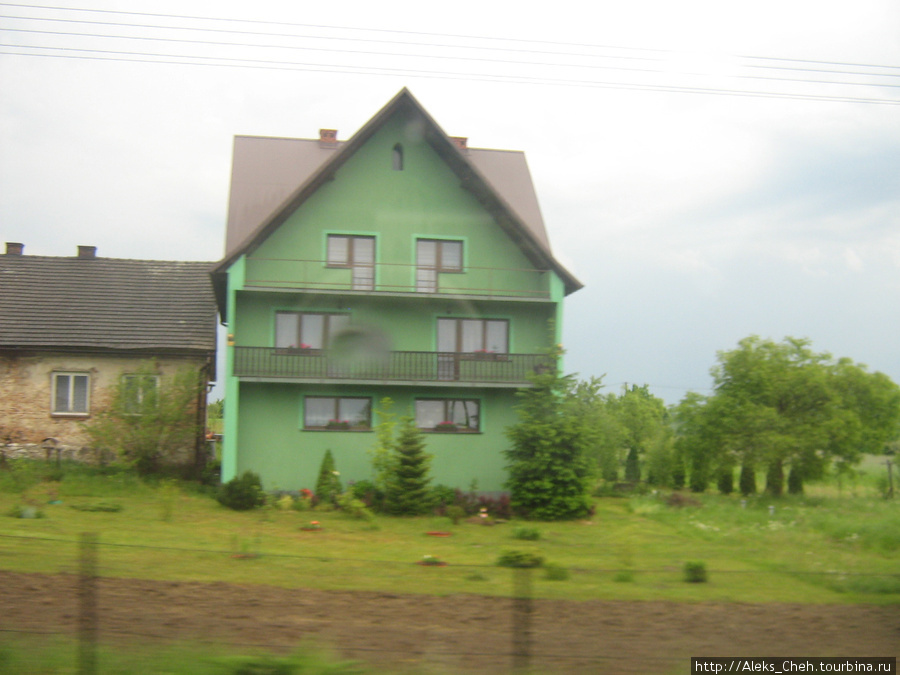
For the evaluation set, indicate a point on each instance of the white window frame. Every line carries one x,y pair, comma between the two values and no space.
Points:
70,394
447,413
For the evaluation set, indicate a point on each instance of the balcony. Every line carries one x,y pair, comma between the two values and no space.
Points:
434,368
396,278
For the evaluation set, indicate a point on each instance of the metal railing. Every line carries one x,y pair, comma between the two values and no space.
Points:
492,282
317,364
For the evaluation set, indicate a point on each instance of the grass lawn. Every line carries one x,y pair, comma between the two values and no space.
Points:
830,546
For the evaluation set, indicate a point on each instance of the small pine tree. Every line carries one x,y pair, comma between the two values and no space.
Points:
408,492
748,480
725,481
328,486
795,480
775,478
632,467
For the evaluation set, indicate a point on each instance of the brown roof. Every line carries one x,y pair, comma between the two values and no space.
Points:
272,177
106,304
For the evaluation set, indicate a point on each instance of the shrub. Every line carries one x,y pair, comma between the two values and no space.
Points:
368,493
409,492
526,533
242,493
553,572
25,512
354,507
679,500
455,513
101,507
695,572
519,559
328,486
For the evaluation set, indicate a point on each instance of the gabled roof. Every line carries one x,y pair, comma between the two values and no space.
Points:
272,177
100,304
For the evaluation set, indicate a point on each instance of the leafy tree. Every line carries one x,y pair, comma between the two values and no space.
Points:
408,490
383,456
782,405
328,484
150,417
549,468
605,435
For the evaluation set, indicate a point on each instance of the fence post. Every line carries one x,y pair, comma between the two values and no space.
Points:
521,619
87,604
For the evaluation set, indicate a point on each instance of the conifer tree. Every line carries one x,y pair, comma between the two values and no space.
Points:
328,486
549,470
408,492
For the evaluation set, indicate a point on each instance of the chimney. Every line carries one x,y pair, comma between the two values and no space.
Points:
461,142
14,248
327,138
87,251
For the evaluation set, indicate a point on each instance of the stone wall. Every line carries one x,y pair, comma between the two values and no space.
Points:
27,422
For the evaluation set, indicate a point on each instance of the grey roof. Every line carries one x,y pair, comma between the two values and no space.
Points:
266,171
106,304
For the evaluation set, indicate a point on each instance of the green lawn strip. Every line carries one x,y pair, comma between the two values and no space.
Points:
803,552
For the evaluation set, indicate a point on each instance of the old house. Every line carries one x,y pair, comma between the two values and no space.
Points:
400,263
71,328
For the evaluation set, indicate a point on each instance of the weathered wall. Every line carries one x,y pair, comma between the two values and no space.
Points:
26,417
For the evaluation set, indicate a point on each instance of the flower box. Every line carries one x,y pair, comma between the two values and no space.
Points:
446,427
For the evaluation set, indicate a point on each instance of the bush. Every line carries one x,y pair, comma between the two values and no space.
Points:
242,493
328,486
354,507
553,572
695,572
519,559
526,533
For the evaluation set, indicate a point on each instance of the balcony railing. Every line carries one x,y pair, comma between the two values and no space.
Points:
396,367
491,282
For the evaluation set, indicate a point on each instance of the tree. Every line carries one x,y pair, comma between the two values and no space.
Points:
408,490
782,406
549,467
150,417
328,484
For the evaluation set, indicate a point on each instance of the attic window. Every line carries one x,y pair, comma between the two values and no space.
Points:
397,157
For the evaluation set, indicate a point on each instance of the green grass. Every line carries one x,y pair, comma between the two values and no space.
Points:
826,547
30,655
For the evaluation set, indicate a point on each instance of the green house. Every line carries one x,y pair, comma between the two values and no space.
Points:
399,264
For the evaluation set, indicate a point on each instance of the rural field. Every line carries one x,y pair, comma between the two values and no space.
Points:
191,582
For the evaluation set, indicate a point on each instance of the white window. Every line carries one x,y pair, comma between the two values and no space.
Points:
337,413
473,335
434,256
356,253
71,394
307,330
447,415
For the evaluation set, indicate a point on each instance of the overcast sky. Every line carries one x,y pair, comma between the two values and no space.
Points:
709,170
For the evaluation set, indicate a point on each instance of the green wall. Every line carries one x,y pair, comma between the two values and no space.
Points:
274,444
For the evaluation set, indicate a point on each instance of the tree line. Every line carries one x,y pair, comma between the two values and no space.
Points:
777,409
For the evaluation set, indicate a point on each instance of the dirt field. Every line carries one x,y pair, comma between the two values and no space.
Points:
456,634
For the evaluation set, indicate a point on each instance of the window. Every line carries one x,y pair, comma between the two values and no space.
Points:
301,330
434,256
473,335
337,413
139,392
71,394
355,253
448,415
397,158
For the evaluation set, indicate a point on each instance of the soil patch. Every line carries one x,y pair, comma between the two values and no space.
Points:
458,634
